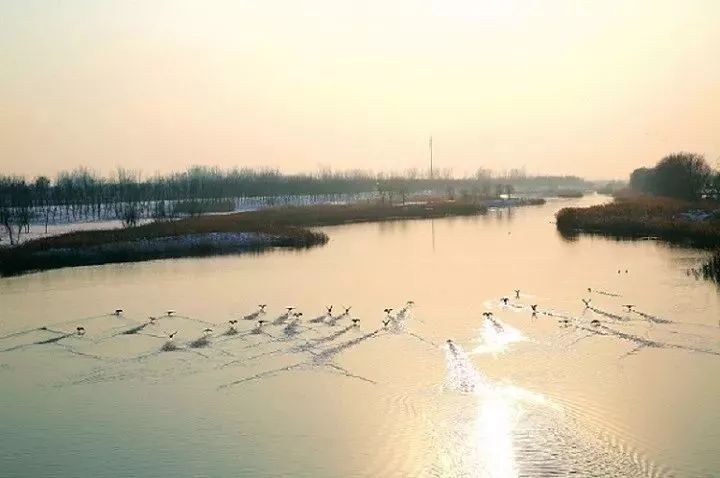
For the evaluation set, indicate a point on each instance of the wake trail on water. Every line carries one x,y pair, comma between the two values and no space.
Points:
319,359
643,342
461,374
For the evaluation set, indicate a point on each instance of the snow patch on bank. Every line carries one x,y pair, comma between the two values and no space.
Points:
215,241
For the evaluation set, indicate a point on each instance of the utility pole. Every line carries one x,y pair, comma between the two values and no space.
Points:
431,158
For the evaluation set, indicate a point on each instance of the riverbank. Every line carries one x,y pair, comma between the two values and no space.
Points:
252,231
692,223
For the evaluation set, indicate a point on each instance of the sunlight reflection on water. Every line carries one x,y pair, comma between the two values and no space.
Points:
484,445
496,337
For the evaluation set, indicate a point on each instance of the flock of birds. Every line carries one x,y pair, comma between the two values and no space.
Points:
605,327
283,329
291,324
291,320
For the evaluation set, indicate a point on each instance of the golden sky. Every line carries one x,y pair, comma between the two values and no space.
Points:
594,88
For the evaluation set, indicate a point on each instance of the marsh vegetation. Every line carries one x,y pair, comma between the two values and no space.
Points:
251,231
82,195
677,200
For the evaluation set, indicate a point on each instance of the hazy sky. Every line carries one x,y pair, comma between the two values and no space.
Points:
560,86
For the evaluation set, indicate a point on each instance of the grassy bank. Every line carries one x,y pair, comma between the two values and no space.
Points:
711,269
210,235
570,194
197,207
692,223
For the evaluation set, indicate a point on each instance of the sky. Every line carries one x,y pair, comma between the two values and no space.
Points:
591,88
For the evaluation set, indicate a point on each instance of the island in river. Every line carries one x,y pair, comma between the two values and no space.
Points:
252,231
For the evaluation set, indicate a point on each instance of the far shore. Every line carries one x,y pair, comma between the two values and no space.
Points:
254,231
694,224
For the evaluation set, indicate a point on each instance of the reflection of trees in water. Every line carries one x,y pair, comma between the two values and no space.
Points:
568,235
711,268
503,214
386,227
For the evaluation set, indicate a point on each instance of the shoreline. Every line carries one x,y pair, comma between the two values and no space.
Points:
254,231
641,218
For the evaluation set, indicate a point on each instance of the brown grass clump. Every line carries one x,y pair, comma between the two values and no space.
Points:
646,216
274,227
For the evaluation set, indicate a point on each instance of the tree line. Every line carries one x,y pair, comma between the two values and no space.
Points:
83,195
686,176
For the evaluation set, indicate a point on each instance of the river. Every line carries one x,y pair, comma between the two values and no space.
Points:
569,391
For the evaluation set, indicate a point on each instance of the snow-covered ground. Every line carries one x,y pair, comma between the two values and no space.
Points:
62,221
219,241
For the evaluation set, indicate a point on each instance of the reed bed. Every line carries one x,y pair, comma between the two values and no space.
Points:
694,223
254,231
711,269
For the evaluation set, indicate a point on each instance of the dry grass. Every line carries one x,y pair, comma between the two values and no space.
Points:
711,269
288,224
645,216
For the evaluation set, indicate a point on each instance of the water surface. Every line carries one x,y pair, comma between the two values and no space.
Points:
518,395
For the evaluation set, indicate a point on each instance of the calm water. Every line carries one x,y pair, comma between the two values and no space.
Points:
636,395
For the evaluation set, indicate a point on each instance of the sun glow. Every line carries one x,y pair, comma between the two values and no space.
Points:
485,10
